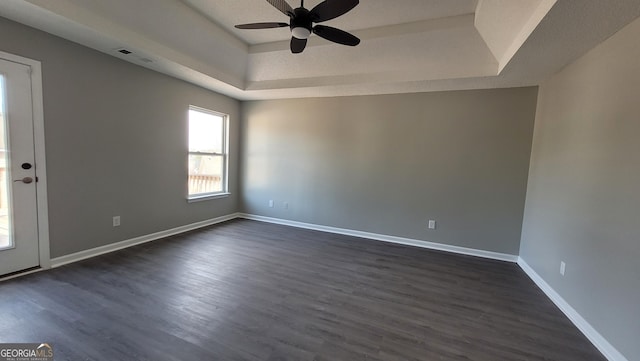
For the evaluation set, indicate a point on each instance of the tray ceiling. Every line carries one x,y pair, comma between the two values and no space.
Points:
407,45
368,14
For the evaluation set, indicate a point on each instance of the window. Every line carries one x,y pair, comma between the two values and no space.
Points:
208,156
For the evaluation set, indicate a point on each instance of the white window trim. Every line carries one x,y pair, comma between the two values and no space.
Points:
225,158
207,196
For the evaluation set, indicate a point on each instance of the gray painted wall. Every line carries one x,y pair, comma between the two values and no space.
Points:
116,143
583,198
386,164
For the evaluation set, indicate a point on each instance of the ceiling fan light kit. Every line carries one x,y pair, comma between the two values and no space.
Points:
301,22
301,32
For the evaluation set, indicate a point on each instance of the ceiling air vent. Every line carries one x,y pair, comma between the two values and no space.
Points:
134,57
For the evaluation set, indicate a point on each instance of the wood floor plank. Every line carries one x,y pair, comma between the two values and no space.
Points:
252,291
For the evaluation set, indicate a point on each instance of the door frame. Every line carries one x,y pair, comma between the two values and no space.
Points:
40,159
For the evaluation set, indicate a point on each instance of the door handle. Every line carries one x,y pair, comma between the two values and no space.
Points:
26,180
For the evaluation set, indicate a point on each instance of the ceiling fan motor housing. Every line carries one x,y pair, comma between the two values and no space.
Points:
301,23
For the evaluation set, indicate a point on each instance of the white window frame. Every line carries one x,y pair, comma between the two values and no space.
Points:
225,157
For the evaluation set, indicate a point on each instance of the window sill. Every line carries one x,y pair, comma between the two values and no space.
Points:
207,197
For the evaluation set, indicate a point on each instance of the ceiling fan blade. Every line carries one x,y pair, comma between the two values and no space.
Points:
283,6
336,35
331,9
262,25
298,45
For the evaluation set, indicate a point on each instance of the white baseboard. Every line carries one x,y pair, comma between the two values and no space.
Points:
78,256
384,238
596,338
75,257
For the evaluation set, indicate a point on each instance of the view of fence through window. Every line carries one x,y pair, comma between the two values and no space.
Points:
207,152
5,224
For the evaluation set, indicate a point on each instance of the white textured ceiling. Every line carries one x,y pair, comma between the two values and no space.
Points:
368,14
407,45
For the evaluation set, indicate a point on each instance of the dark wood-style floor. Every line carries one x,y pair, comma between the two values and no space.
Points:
246,290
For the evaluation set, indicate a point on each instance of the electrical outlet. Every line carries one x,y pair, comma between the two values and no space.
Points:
432,224
116,221
271,203
563,267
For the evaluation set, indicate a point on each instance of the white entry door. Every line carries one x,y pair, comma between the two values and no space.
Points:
19,245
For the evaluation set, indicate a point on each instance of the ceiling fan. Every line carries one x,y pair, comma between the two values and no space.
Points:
301,22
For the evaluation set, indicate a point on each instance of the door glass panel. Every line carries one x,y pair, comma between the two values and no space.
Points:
6,233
